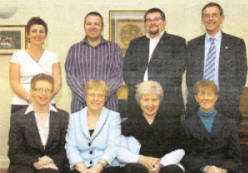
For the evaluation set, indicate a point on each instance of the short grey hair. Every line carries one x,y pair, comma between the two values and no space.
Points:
149,87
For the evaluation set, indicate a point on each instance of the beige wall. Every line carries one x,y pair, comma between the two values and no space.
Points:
64,19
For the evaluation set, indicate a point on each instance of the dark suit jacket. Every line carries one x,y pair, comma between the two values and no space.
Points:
25,145
220,147
166,66
232,73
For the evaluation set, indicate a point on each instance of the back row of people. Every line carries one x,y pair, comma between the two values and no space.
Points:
157,56
151,141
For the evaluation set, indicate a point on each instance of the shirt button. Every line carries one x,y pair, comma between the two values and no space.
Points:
91,162
91,152
89,144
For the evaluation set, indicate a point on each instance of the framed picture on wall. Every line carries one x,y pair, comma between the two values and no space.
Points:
12,38
125,25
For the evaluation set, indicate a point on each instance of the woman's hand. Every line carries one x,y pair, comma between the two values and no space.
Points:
80,167
51,166
96,169
45,162
151,163
214,169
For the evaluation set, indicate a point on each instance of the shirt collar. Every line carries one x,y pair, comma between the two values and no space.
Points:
210,114
217,36
157,37
85,41
30,108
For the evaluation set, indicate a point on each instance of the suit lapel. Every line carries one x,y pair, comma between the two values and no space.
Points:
53,127
145,52
33,131
102,119
217,126
162,45
84,122
201,128
201,56
223,59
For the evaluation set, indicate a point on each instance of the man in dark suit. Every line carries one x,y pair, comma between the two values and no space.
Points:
37,133
157,56
218,57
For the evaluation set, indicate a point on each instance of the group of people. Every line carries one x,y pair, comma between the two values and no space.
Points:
155,137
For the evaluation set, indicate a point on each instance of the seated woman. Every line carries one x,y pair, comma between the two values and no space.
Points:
212,139
37,133
150,135
93,135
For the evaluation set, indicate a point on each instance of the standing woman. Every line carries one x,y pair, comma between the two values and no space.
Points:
34,60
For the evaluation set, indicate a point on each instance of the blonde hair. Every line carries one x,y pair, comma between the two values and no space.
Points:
149,87
97,84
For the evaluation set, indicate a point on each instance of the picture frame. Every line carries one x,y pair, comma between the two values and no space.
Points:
125,25
12,38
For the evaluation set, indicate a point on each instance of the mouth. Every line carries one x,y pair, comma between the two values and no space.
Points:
38,39
150,109
43,98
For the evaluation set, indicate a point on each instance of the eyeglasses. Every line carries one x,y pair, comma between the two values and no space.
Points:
41,90
208,16
153,20
93,95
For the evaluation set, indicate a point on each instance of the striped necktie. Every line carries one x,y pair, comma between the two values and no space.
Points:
209,69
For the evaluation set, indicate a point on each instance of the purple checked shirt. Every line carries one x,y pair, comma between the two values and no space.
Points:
84,62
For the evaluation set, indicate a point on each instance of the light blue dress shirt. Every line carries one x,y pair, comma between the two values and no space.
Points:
217,42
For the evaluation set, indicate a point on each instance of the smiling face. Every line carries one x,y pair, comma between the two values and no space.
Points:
41,93
212,20
93,27
154,24
37,34
95,99
149,104
206,98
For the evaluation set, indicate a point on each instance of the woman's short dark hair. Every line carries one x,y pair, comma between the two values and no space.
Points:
42,77
36,21
205,84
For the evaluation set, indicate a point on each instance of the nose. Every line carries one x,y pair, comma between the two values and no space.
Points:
205,96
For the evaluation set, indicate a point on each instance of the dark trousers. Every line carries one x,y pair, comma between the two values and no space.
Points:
27,169
138,168
114,169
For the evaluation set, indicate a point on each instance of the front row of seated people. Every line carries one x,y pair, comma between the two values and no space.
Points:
150,142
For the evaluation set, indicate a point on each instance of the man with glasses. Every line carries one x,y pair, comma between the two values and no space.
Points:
218,57
157,56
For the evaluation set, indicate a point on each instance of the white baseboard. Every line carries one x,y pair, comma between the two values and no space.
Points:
4,163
